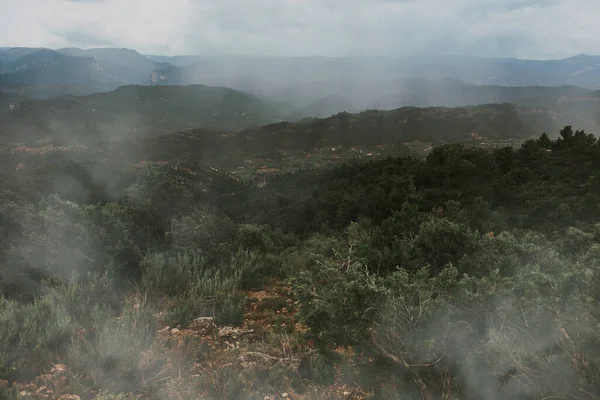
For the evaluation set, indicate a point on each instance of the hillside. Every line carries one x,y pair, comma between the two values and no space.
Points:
373,127
452,93
317,98
132,111
323,107
48,91
50,67
130,66
286,146
97,70
394,279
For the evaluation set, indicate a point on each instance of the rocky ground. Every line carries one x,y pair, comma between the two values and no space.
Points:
270,342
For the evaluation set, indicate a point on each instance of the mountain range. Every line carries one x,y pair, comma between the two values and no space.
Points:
74,96
298,80
44,73
136,110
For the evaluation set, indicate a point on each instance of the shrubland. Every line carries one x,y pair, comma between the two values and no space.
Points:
470,274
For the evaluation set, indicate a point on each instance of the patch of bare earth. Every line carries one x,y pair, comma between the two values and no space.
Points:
270,338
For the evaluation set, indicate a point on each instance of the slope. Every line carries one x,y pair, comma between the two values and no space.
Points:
132,111
47,73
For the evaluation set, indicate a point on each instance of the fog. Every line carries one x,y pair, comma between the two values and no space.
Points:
299,199
530,29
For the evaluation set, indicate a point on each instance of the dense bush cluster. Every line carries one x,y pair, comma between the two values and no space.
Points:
471,274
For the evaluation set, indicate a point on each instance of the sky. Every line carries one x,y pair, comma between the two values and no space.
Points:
531,29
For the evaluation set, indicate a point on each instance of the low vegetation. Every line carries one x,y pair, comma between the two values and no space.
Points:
468,273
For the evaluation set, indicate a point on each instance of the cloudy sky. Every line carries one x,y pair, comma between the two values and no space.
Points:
539,29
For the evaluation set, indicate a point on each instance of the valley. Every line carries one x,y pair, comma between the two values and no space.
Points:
300,228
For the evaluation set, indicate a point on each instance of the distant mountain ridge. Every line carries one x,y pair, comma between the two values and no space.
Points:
581,70
315,87
104,69
98,70
136,110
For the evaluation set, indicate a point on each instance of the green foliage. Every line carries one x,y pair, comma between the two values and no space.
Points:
226,383
201,288
115,357
319,369
204,231
470,274
120,396
41,332
337,303
480,327
132,111
32,336
180,314
58,240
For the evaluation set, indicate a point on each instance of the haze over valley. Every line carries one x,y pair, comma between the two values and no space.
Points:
299,200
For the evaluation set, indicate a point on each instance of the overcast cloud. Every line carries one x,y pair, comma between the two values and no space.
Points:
539,29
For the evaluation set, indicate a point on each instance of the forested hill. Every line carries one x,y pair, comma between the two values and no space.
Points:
147,111
432,124
273,147
518,184
133,111
488,125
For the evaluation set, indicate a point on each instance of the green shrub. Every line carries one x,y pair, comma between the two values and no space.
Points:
120,396
87,295
32,336
339,305
201,288
120,357
180,314
203,231
225,383
166,274
318,368
229,310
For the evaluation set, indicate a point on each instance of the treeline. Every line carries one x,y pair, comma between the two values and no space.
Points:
543,185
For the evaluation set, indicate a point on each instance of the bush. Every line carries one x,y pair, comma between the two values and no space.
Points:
318,368
120,396
86,296
32,336
200,288
338,305
122,356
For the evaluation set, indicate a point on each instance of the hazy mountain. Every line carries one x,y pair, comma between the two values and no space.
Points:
365,129
49,91
132,111
392,94
9,100
215,76
129,65
430,124
72,69
370,128
452,93
299,81
323,107
8,54
43,67
582,70
175,60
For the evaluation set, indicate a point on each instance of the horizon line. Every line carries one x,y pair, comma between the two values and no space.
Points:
392,57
